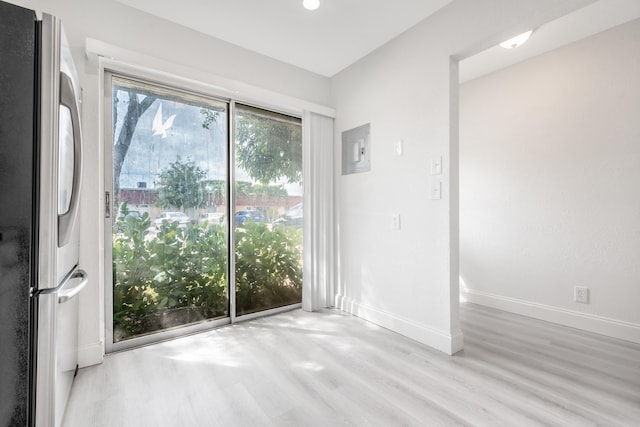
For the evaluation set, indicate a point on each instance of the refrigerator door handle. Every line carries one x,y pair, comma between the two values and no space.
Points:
67,294
68,99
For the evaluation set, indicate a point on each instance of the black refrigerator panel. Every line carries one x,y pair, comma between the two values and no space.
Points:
17,207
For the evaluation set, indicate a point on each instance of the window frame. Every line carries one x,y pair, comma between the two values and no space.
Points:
108,70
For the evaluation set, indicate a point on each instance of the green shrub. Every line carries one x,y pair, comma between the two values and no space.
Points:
133,294
179,276
268,267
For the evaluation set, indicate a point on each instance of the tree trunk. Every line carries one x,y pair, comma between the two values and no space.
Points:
121,145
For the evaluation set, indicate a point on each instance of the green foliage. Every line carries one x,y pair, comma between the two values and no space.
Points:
182,186
269,191
179,276
133,295
267,148
210,117
217,188
245,188
268,267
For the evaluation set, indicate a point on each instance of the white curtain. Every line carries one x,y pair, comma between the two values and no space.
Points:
319,231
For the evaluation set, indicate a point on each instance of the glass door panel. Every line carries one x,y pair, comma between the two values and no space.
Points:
268,210
170,169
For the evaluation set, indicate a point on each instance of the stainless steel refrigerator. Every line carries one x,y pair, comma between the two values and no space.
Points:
40,170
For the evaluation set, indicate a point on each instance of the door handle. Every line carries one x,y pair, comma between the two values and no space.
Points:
68,99
66,294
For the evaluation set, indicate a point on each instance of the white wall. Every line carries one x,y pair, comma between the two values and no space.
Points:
550,184
407,280
175,48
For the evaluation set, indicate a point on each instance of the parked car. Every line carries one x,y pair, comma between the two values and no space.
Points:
129,214
170,217
291,218
210,218
243,216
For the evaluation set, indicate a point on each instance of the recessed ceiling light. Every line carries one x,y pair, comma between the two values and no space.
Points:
517,40
311,4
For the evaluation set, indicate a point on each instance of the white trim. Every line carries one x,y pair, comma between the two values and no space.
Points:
264,313
91,354
574,319
161,335
454,206
103,55
106,185
105,58
424,334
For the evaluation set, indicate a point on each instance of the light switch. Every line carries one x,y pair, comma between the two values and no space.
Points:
436,166
398,148
395,222
436,190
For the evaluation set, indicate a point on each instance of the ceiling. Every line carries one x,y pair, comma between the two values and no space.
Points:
589,20
324,41
340,32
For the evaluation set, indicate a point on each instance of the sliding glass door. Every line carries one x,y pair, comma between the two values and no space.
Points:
193,242
169,205
268,210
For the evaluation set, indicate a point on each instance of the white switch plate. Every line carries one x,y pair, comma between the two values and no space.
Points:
398,148
436,190
436,166
581,294
395,222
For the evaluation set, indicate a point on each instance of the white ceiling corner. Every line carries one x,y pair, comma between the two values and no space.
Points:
587,21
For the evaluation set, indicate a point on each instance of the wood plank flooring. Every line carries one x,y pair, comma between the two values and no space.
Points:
331,369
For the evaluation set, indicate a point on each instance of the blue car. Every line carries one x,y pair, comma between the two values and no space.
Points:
244,216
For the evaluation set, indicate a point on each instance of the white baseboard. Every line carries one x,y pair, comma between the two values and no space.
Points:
91,354
440,340
584,321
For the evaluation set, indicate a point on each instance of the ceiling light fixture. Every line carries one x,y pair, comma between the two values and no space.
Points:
311,4
517,40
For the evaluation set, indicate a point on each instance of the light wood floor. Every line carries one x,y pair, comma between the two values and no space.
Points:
330,369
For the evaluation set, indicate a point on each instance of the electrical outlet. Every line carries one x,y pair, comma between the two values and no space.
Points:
581,294
436,190
395,222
